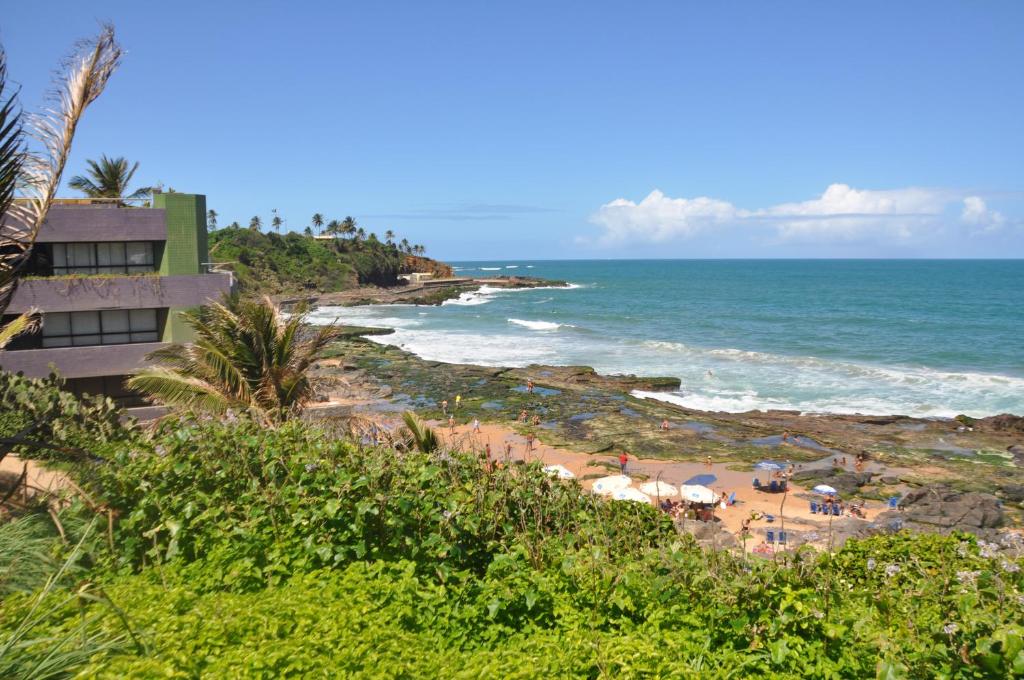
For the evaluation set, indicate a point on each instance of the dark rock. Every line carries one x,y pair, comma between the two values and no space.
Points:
707,534
1004,422
1013,492
940,509
1018,453
889,479
843,482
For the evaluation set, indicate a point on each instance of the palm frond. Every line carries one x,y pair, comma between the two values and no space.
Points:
174,389
423,438
86,74
17,326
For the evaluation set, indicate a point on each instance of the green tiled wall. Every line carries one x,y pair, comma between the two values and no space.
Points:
186,233
185,250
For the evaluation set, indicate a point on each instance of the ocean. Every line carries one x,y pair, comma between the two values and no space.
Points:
922,338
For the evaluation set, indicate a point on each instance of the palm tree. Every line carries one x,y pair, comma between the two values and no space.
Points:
234,225
360,234
348,226
255,223
211,220
404,246
389,236
419,250
308,231
275,222
423,438
333,228
318,222
109,178
247,355
81,82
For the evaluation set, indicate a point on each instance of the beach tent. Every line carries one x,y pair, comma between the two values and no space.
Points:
630,494
825,490
606,485
559,471
701,480
697,494
659,488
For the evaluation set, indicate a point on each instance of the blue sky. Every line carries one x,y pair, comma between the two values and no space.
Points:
584,129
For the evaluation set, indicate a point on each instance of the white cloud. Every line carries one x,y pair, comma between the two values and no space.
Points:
840,213
977,214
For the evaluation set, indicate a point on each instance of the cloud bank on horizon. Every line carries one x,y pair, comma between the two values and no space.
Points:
841,214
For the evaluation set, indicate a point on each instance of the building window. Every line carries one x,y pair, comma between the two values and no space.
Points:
106,327
132,257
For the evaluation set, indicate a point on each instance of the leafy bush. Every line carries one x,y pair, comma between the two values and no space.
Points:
272,263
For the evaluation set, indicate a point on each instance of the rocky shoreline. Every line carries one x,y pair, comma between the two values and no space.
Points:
576,407
429,292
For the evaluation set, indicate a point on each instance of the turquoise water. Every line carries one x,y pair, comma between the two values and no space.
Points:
924,338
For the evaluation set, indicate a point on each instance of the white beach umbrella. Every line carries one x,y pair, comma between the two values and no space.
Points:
825,490
559,471
606,485
659,488
697,494
630,494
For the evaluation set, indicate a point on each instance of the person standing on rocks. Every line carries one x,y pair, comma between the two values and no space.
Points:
458,401
476,427
444,406
451,424
529,386
623,462
664,425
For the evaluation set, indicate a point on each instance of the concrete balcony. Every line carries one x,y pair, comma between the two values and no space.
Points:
140,291
79,362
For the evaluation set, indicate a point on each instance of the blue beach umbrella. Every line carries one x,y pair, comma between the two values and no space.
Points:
824,490
701,480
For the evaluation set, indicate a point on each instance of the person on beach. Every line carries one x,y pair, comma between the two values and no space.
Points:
523,415
444,406
623,461
785,437
458,401
529,442
536,420
476,426
707,462
451,424
664,425
529,386
508,451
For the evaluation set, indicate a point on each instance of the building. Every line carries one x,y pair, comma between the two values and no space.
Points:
110,282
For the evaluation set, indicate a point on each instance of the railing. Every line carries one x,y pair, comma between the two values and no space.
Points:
97,202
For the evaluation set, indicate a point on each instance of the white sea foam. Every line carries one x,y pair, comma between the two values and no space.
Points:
511,266
540,325
490,269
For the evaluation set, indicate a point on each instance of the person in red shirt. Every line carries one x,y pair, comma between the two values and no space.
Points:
623,459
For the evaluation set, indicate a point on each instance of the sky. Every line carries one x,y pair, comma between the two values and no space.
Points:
551,130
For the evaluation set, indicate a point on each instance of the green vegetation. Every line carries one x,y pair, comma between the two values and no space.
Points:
293,263
245,551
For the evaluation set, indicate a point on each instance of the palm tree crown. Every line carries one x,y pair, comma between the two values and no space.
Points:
109,178
255,223
348,226
247,355
318,222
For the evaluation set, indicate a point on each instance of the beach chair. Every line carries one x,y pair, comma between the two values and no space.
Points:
732,499
835,510
782,538
757,483
770,536
774,486
894,502
814,508
769,518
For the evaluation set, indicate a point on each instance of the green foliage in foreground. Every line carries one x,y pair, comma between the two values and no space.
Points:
271,263
247,552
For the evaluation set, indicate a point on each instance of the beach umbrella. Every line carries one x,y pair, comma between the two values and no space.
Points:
630,494
606,485
696,493
701,480
769,465
559,471
825,490
659,488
